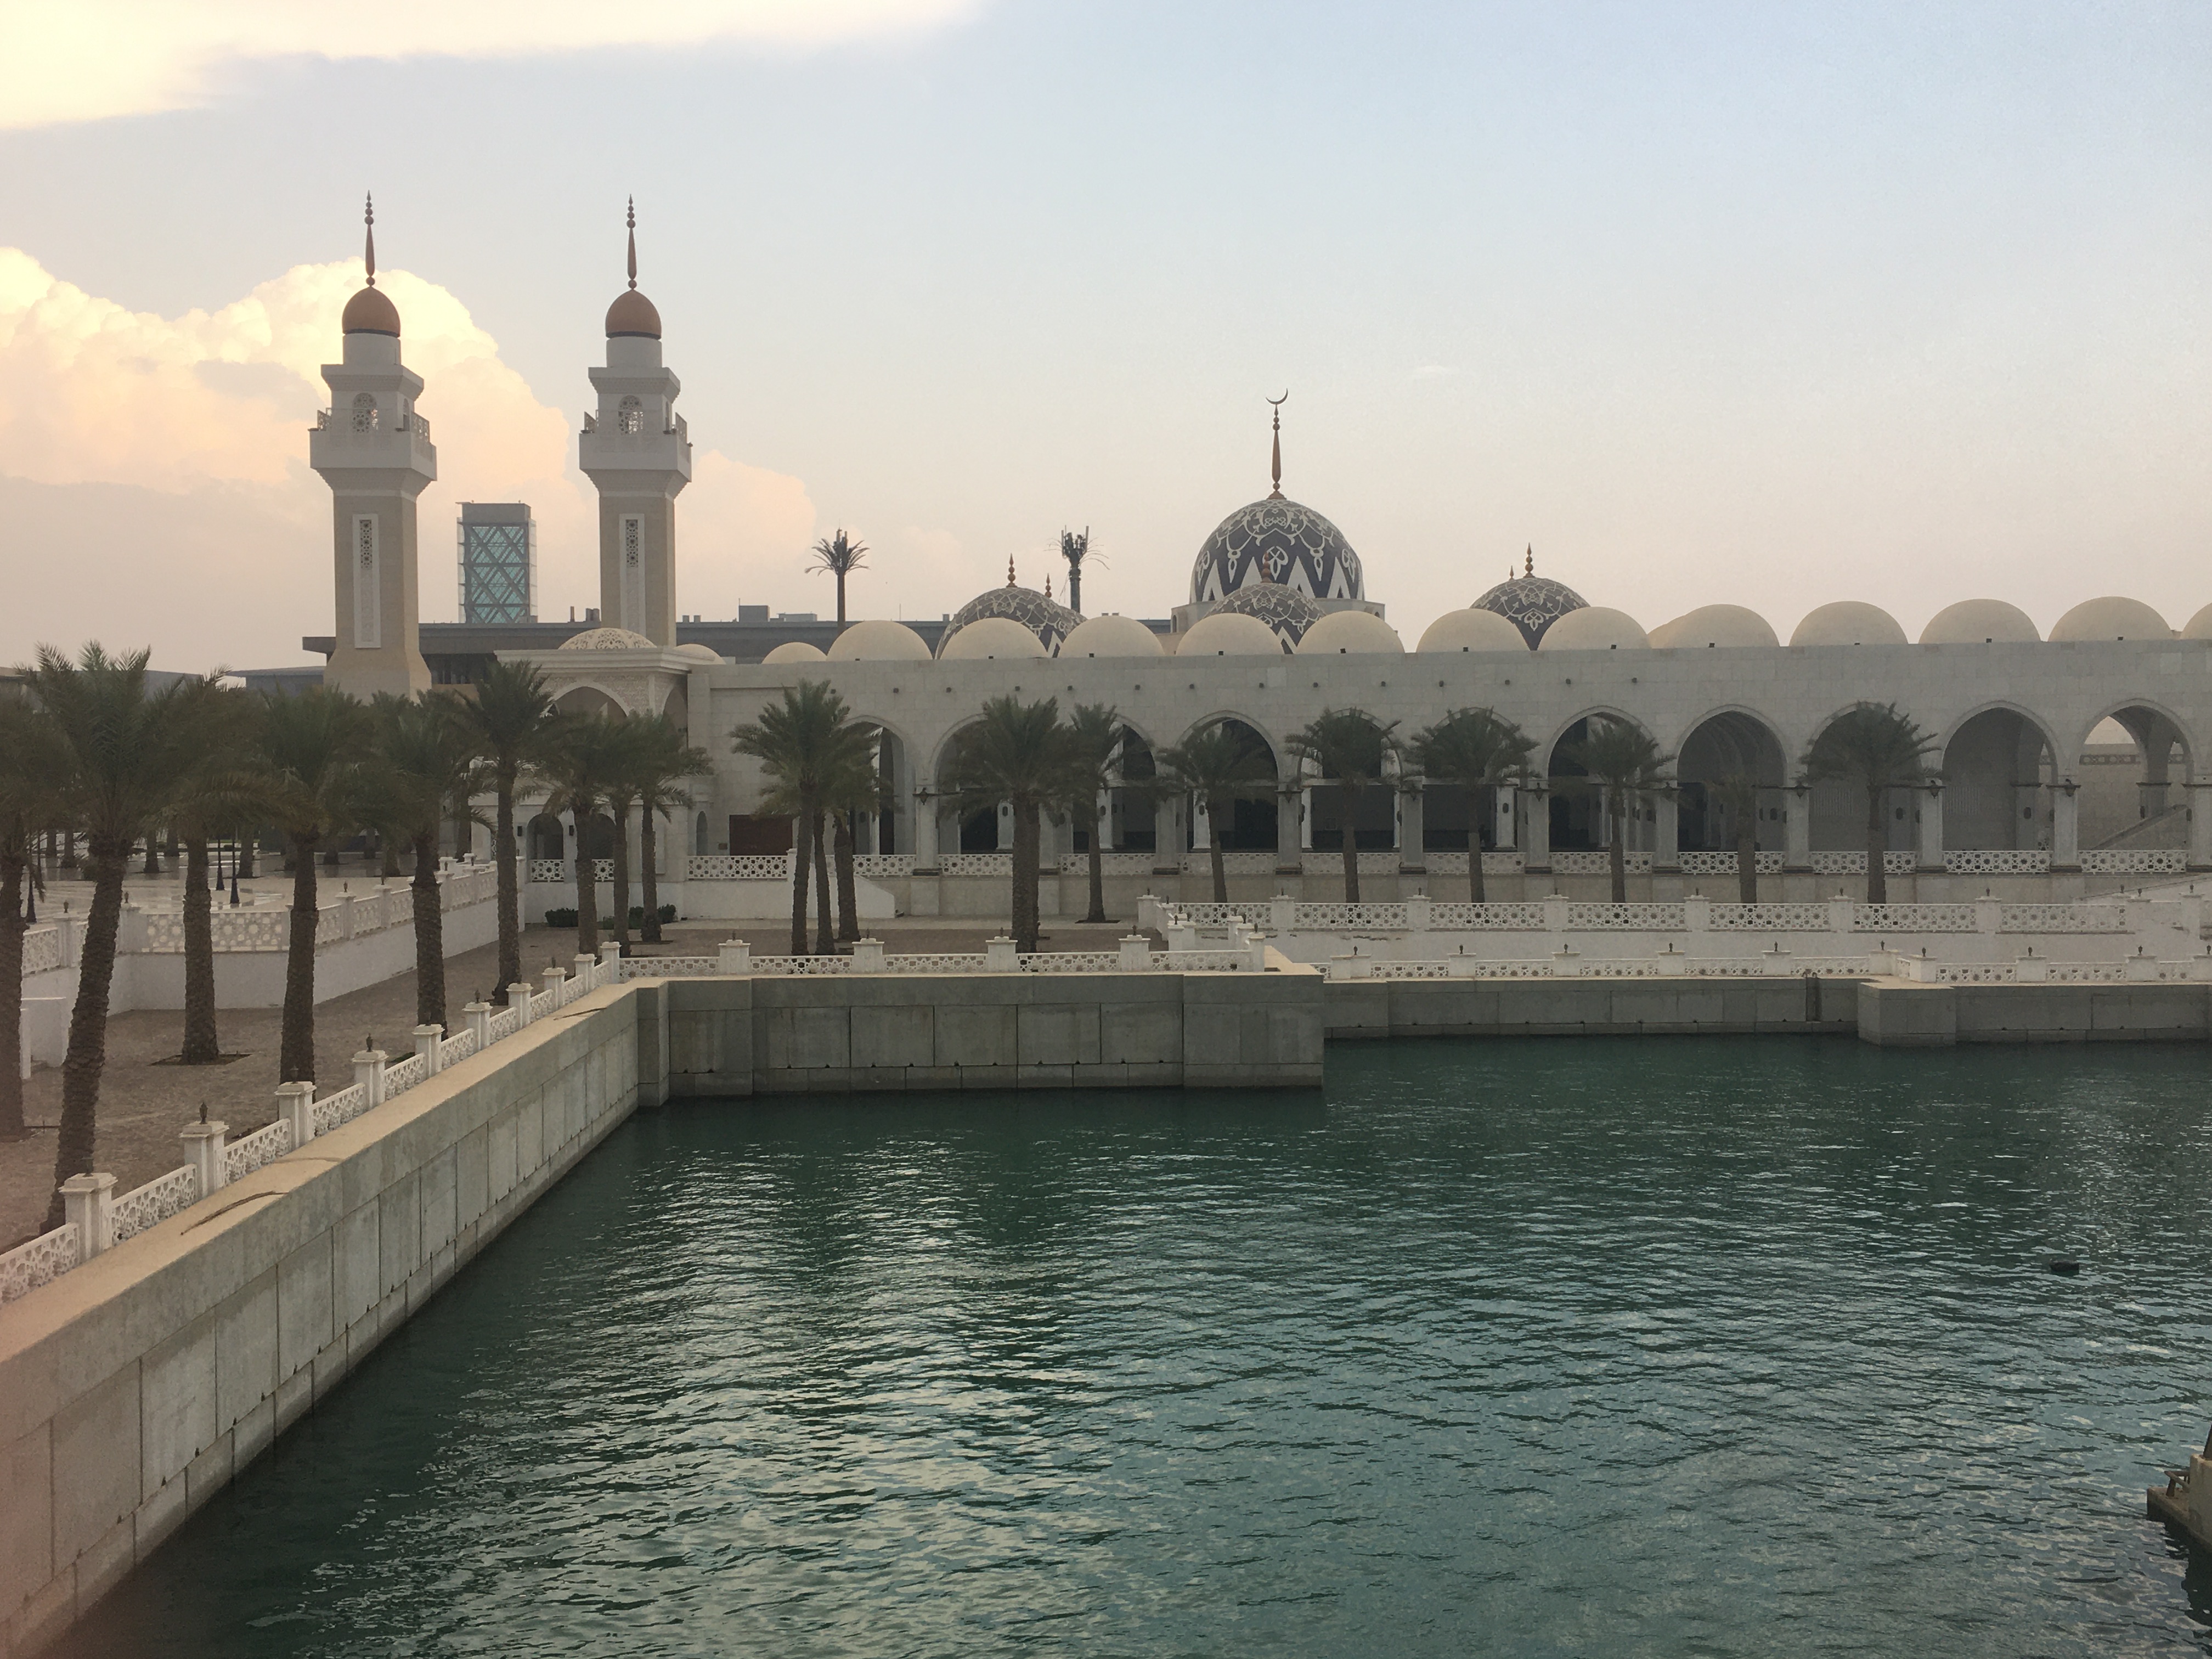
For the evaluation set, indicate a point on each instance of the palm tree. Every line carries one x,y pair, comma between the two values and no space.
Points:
30,773
582,763
512,715
429,759
312,750
1094,753
840,556
1475,748
800,743
1877,747
1623,766
1349,747
122,751
664,763
1216,768
625,785
1075,548
1736,792
1015,753
854,785
217,794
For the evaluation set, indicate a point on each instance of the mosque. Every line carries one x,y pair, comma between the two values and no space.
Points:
2066,764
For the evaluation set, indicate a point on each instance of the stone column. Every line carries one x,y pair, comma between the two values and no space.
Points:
1289,810
1413,829
1305,815
2200,824
1537,803
2065,827
1504,830
925,834
1665,850
1797,827
1005,827
1931,827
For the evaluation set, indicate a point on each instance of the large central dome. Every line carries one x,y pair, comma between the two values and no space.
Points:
1276,540
1532,604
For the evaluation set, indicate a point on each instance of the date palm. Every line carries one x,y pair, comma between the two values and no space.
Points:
1094,754
31,761
312,750
122,749
1348,747
429,759
855,786
1216,768
839,554
800,742
513,718
1475,749
582,764
1016,754
220,792
1877,747
1623,767
665,764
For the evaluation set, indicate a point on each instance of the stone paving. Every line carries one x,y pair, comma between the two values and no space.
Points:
144,1105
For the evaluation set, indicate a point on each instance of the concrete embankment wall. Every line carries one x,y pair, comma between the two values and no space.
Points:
1887,1012
133,1387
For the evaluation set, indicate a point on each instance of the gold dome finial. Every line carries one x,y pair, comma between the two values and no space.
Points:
633,241
1532,560
368,252
1276,462
1010,570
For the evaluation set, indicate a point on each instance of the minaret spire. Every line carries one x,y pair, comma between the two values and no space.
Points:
633,241
1276,465
369,253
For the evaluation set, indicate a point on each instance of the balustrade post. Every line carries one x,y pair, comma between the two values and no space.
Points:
1136,953
89,1206
1179,936
1566,962
999,956
479,1018
430,1043
369,1072
295,1104
203,1152
1416,913
1842,912
1989,914
552,978
586,974
1697,914
518,998
868,956
735,957
1555,915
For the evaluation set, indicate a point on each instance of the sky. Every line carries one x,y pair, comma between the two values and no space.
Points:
1767,305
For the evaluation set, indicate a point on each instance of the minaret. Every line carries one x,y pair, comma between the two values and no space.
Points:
636,449
374,452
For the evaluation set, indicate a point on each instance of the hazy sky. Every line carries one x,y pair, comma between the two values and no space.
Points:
1774,304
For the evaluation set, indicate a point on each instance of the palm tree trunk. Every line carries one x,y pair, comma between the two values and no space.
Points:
587,891
1618,861
153,853
88,1037
202,1045
510,897
295,1049
1474,888
14,857
1351,844
648,853
621,878
1877,838
248,844
1026,837
390,849
1215,862
799,873
1096,862
429,932
825,932
848,896
1746,858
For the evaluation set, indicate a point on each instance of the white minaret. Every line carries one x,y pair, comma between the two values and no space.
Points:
636,449
374,452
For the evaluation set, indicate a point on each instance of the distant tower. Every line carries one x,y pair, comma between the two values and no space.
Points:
499,563
374,452
636,449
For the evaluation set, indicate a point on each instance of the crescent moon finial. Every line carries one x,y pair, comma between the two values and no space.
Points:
1276,460
1280,402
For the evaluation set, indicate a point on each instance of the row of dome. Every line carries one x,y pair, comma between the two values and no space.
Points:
1593,628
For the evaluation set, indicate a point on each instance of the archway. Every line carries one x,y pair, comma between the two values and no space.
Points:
2132,769
548,837
1578,821
1132,822
1997,784
1251,825
1731,764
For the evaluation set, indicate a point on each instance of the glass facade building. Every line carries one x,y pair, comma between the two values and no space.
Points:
498,542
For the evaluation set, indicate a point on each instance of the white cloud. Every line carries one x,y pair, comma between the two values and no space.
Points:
154,486
90,59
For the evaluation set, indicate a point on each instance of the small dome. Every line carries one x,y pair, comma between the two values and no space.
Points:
1353,632
1047,619
1532,604
1846,622
794,651
1112,636
371,312
632,313
608,639
1472,630
1979,622
991,636
2200,625
1594,628
1710,625
1230,633
2110,618
1285,610
699,652
1276,542
879,641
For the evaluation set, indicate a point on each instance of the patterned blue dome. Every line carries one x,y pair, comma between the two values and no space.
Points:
1285,610
1049,620
1532,604
1279,541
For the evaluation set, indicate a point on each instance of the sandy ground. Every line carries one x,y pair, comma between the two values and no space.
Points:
143,1104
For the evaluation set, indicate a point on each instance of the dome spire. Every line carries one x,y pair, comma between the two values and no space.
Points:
368,252
1010,570
1532,560
1276,465
633,241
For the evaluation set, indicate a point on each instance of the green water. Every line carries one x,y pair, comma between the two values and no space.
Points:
1724,1346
